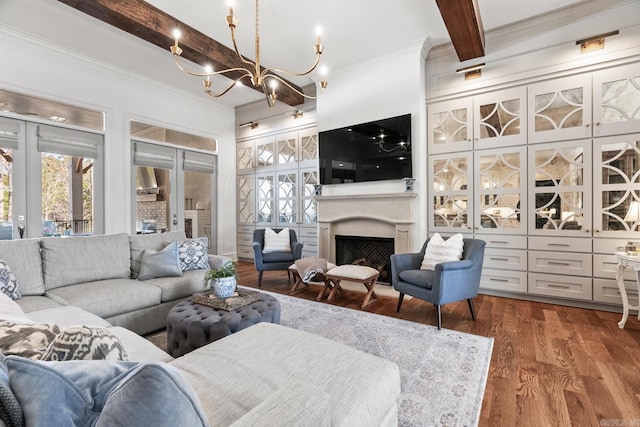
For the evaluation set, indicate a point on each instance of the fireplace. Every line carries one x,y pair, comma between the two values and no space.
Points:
368,251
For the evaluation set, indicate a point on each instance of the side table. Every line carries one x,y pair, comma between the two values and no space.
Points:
631,262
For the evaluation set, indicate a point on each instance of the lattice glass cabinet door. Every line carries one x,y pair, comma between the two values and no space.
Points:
451,200
308,148
500,188
246,199
616,100
265,153
500,119
265,200
560,109
450,126
287,199
617,186
560,188
308,204
245,156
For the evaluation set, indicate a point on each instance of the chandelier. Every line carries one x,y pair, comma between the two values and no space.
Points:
260,78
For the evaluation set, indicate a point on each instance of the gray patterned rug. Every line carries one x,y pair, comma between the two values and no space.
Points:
443,373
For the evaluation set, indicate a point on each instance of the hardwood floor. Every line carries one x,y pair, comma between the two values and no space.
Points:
551,365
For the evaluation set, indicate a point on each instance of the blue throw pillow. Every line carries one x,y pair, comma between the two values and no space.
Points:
8,283
193,254
103,393
165,263
10,410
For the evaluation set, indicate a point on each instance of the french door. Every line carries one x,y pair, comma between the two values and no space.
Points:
174,190
51,180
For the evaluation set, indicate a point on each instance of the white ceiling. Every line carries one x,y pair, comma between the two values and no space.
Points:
353,31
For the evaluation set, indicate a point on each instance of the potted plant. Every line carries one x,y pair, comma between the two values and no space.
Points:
223,280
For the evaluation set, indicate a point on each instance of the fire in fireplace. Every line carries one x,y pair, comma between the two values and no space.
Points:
372,252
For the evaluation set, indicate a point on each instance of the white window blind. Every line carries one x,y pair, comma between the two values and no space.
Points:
68,142
199,162
153,155
9,131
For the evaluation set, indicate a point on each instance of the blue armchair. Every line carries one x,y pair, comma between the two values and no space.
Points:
271,261
449,282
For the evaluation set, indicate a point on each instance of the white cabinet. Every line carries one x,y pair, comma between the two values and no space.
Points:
499,118
276,182
450,127
616,100
450,207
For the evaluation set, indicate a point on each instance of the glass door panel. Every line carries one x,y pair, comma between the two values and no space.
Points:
197,211
153,200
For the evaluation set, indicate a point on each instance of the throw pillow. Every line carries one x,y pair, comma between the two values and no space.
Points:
193,254
10,310
85,343
29,340
10,410
164,263
8,284
276,242
440,250
104,393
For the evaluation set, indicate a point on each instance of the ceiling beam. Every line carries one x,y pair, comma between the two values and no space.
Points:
462,19
149,23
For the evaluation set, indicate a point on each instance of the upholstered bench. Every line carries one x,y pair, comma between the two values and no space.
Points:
299,284
354,273
191,325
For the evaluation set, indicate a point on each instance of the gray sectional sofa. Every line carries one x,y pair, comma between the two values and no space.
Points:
264,375
98,274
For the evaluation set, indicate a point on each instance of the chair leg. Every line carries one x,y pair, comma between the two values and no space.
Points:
288,277
400,302
260,278
439,314
473,312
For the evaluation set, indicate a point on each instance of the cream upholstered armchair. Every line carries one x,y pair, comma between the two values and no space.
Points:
447,282
269,258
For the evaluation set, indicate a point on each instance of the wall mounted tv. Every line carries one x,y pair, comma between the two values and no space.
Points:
373,151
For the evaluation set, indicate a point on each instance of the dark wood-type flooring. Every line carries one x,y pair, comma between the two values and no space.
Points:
551,365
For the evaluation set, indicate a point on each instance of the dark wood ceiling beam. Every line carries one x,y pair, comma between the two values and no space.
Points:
149,23
462,19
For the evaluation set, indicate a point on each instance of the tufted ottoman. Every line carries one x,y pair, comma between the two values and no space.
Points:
191,325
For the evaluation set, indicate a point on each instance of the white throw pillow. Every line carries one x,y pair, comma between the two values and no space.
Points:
440,250
276,242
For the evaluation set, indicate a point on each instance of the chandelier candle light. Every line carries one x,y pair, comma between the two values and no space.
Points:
259,77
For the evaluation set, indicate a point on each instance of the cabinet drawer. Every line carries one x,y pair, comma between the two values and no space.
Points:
560,263
503,280
515,259
560,286
608,246
245,239
308,232
606,266
245,252
248,229
607,291
511,242
573,244
310,252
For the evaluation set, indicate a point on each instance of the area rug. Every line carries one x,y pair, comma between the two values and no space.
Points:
443,373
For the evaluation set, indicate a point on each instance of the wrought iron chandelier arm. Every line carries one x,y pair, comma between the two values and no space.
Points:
280,79
213,73
269,70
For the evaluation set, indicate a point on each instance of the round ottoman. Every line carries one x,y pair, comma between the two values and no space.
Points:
191,325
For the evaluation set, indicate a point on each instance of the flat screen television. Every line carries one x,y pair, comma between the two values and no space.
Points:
372,151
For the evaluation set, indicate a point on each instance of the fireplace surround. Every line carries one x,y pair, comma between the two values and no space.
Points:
371,215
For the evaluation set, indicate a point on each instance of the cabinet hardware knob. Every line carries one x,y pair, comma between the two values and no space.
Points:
597,123
587,125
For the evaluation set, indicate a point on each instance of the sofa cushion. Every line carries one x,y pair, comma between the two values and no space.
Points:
422,278
107,298
24,258
156,242
67,261
174,288
163,263
103,393
85,343
193,254
10,310
36,303
8,284
67,316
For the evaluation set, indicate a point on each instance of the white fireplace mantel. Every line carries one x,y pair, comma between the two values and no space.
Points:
371,215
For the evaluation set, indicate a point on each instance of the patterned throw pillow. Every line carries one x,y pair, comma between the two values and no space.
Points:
85,343
8,284
29,340
193,254
10,410
440,250
276,242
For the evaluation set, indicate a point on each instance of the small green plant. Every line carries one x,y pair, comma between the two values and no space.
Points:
229,269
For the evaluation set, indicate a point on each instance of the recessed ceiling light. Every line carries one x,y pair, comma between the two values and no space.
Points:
58,119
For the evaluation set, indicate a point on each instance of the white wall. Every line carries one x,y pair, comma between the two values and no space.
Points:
36,67
385,86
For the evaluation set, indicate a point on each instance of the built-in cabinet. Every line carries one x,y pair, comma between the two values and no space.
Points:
548,174
277,176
